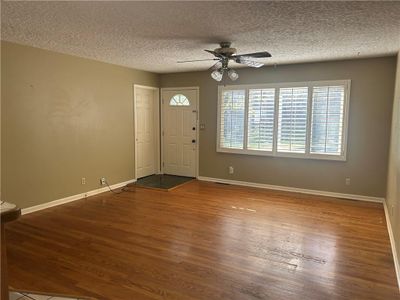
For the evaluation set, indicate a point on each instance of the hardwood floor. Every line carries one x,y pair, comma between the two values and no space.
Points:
205,241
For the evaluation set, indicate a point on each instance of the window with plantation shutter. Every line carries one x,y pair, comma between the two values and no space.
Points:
232,112
292,120
260,130
327,120
303,119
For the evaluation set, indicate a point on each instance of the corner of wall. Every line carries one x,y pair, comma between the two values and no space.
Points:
392,203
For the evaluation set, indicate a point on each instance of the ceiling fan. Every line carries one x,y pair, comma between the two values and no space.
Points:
224,54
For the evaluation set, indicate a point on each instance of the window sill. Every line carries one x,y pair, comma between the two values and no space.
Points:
283,154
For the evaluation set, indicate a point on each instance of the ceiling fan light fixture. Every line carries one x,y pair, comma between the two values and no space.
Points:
233,75
217,75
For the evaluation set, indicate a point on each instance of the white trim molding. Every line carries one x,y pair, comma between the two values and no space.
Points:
392,243
182,88
32,209
293,189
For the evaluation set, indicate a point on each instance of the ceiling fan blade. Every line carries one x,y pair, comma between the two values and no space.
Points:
245,60
214,53
216,66
256,54
185,61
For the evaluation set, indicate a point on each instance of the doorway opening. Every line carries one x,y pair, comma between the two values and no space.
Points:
166,131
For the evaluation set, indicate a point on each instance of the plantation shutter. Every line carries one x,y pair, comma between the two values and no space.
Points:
327,120
260,134
232,115
292,120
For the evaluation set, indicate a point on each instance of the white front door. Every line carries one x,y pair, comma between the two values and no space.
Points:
146,131
180,132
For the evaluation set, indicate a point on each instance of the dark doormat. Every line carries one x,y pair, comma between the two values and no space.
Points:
162,181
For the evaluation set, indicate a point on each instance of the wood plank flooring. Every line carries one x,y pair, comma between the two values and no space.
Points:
205,241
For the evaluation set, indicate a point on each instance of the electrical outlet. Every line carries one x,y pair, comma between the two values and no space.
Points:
103,181
231,170
83,180
347,181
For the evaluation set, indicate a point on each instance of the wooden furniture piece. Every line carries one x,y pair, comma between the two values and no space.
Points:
9,212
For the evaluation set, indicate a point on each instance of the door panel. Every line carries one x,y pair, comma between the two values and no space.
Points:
180,132
145,106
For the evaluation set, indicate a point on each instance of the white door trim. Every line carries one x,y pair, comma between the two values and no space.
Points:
156,124
392,243
197,89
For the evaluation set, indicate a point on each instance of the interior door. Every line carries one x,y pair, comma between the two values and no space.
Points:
146,133
180,132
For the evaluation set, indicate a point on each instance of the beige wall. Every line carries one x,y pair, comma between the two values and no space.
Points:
369,127
393,188
64,118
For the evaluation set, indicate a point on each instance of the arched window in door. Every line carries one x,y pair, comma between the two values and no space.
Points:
179,100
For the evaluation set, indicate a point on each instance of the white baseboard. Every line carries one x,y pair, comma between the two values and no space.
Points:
392,243
74,197
293,189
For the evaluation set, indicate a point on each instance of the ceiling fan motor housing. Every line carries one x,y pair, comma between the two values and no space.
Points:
225,49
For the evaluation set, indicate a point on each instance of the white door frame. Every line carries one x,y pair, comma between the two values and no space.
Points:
196,88
156,124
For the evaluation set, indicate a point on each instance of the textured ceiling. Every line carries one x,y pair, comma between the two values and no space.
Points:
154,35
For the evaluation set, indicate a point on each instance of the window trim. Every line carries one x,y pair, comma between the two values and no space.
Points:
274,153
